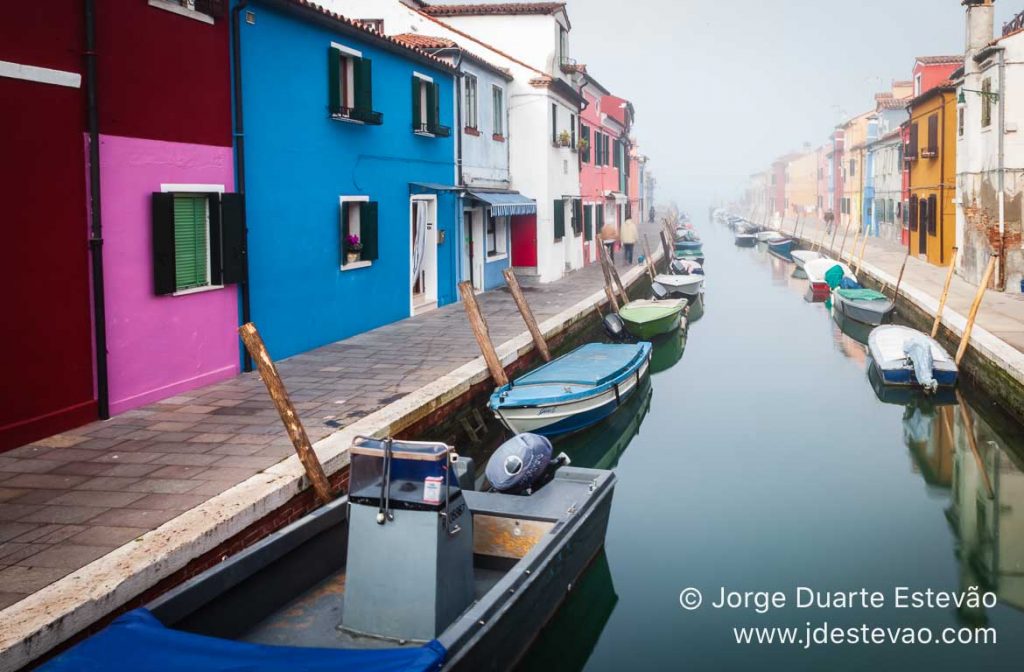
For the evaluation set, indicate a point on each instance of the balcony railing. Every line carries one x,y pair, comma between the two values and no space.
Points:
1014,24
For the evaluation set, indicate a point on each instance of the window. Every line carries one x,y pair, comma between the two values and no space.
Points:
350,86
572,132
198,238
498,112
912,213
471,102
497,235
912,143
577,216
426,108
358,231
201,10
932,214
616,153
563,46
917,85
599,216
960,122
588,222
559,218
986,102
853,167
922,213
376,25
932,150
554,124
585,137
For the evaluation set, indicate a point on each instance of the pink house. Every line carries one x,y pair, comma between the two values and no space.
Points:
606,162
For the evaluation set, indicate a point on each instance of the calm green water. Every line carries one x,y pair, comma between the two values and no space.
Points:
762,460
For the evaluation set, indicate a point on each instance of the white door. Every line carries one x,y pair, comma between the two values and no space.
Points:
423,239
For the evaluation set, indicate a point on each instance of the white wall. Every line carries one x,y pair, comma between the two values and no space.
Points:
485,161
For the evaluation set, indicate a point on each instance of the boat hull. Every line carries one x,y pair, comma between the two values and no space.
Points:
746,240
651,328
783,247
874,313
686,286
559,419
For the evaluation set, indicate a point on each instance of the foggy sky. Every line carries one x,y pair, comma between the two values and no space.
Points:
721,87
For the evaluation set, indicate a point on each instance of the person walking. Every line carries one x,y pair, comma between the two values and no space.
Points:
609,236
628,238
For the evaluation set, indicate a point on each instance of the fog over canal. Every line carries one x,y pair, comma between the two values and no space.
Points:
766,462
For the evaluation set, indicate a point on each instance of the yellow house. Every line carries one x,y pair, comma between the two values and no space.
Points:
853,169
931,151
802,182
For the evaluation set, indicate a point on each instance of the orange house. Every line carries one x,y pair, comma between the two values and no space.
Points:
931,153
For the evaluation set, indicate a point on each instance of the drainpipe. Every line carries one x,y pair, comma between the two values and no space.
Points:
96,221
236,67
1001,259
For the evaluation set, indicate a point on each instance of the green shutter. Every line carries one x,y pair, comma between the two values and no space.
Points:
577,216
363,80
368,229
599,224
190,246
585,134
435,107
431,105
417,116
588,222
334,80
559,219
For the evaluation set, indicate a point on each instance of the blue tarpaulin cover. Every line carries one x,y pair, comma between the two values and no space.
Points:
590,364
138,641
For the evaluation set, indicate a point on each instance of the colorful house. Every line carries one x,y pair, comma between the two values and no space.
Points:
885,180
604,163
482,161
49,380
802,183
932,153
836,182
349,162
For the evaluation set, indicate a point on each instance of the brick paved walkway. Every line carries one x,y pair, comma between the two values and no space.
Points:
73,497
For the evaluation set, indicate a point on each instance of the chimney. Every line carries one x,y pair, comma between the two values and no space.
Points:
980,24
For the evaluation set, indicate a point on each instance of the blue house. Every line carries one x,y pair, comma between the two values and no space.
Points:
348,170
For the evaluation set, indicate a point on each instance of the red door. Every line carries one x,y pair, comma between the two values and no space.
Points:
524,241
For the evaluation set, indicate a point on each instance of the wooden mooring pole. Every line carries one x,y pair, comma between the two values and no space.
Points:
972,441
899,280
973,315
846,232
613,275
527,313
860,257
289,416
650,260
483,336
945,293
666,245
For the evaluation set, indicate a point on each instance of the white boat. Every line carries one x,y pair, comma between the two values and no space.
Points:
893,355
684,285
817,268
765,236
801,257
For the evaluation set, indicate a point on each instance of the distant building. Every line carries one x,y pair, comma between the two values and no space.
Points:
885,156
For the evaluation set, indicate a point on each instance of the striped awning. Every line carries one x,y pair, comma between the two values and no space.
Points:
506,203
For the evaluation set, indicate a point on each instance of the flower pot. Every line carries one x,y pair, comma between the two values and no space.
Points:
351,257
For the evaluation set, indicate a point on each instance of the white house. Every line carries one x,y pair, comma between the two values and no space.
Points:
990,148
531,42
887,179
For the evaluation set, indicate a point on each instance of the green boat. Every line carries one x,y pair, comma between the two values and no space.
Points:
646,319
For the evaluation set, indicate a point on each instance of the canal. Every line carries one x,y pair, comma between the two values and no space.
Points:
763,460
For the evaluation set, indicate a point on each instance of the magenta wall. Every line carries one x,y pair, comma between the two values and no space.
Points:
158,346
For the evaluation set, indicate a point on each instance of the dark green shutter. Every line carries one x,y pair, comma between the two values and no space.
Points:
616,159
435,89
363,81
559,219
368,230
163,243
417,116
599,224
577,216
190,243
215,244
342,244
232,232
933,214
432,106
588,222
334,80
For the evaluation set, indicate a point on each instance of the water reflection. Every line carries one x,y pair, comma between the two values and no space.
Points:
584,614
601,446
668,350
858,331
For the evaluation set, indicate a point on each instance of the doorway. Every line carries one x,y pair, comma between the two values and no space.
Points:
472,253
423,262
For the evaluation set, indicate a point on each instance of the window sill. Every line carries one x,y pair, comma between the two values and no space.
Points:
197,290
356,265
176,8
469,130
496,257
498,137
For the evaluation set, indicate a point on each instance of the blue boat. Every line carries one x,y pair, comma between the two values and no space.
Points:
907,357
681,245
782,246
573,392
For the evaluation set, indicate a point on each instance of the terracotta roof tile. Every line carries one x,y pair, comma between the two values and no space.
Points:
940,60
431,43
891,103
481,9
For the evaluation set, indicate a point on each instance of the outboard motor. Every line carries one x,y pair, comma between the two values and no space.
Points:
677,267
919,352
658,291
614,326
522,464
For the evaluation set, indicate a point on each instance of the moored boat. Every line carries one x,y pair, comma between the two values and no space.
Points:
685,267
908,357
782,246
575,391
765,235
681,285
646,319
801,257
863,305
816,270
371,558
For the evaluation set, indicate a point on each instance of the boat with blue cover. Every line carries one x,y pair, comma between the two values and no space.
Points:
782,246
907,357
413,571
575,391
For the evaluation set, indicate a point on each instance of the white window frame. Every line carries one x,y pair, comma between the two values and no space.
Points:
348,94
498,111
423,79
501,225
917,84
198,190
178,8
472,103
347,202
